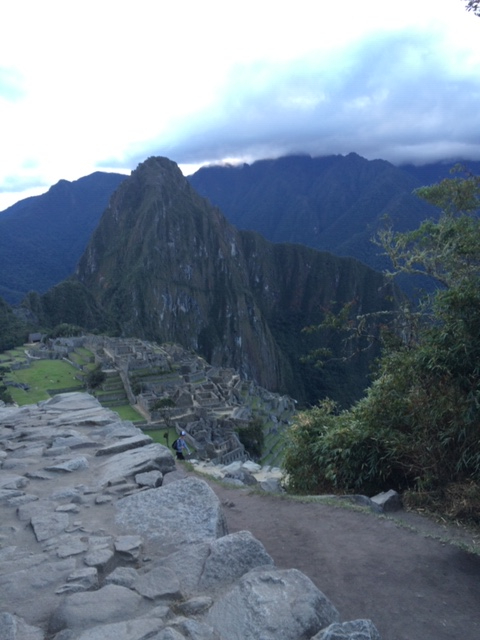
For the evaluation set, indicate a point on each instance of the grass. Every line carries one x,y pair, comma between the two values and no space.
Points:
127,412
42,376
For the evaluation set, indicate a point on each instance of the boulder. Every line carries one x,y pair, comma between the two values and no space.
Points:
281,605
111,603
185,511
230,558
354,630
151,457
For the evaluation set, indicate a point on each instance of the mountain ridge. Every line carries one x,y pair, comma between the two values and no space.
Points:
168,266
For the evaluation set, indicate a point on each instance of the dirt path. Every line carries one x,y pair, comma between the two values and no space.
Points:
412,587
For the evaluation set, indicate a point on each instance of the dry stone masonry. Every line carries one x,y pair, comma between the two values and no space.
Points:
102,539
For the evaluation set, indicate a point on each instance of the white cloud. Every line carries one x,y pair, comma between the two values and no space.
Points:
105,84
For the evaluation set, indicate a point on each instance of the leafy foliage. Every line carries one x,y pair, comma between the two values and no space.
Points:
95,378
474,5
252,438
418,425
13,331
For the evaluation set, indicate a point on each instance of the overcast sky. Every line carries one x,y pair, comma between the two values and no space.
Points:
104,84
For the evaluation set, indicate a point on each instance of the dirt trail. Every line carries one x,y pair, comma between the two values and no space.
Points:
411,585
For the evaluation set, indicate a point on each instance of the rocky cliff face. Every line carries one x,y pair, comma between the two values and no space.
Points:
170,267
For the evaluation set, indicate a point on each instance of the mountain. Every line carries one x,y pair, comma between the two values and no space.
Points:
42,238
333,203
169,267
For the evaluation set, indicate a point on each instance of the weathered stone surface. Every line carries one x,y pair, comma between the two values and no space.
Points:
85,610
230,558
195,606
151,479
168,567
159,583
14,628
388,501
151,457
140,629
129,546
123,576
74,464
354,630
47,525
186,511
285,605
124,445
188,564
80,580
100,558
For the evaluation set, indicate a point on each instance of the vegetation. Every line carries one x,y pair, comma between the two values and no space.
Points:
474,5
12,330
34,383
252,437
95,378
418,425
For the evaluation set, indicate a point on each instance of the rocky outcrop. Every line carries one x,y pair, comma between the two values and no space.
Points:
102,538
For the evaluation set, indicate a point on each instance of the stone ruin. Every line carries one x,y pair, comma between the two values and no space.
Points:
209,403
102,538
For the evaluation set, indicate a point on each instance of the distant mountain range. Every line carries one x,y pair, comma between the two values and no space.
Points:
43,237
154,259
333,203
165,265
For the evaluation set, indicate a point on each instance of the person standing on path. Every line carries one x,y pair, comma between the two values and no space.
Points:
181,446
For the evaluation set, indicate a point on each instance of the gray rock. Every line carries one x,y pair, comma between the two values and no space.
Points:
152,479
13,482
48,525
100,558
129,546
159,583
170,634
188,564
14,628
354,630
195,606
388,501
123,576
271,485
230,558
185,511
125,444
140,629
87,577
31,590
195,630
74,546
151,457
281,605
68,466
85,610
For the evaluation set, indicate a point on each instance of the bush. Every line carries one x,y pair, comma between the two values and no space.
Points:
252,438
95,378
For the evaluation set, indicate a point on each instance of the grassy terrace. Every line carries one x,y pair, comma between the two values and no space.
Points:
44,378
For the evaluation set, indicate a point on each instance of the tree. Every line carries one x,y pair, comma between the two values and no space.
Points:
418,426
474,5
96,377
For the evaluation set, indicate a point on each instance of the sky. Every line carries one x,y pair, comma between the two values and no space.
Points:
101,85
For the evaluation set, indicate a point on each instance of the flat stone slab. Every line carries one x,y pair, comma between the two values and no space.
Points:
185,511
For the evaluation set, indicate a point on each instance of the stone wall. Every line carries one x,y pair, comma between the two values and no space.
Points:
101,539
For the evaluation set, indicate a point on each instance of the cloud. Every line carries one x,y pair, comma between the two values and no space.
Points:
396,96
11,85
19,183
